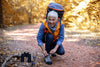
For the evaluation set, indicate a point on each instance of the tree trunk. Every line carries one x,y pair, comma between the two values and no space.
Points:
1,15
29,17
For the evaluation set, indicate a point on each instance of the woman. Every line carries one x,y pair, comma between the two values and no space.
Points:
51,33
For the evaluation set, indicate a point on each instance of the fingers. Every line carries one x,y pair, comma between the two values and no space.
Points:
51,52
45,53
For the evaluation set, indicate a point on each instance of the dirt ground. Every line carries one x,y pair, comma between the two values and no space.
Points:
82,48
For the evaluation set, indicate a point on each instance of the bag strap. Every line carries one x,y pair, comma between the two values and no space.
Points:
46,30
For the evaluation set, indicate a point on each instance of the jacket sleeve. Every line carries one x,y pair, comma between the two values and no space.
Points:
61,35
40,35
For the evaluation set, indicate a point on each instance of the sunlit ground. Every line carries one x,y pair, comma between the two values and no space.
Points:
22,34
84,34
71,35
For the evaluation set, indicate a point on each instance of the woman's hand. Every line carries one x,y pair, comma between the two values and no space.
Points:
45,53
54,50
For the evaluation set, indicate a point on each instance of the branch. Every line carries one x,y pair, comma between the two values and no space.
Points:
8,58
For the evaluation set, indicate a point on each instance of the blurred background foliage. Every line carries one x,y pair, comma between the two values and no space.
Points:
79,14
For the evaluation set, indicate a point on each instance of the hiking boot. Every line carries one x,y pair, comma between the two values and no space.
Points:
53,55
48,60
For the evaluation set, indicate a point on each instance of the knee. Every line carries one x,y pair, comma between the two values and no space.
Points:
61,52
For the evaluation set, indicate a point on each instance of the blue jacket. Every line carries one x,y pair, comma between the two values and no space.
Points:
41,33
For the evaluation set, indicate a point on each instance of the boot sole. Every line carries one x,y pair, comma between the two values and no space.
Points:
49,63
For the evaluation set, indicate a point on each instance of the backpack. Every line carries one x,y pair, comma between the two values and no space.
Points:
55,7
60,10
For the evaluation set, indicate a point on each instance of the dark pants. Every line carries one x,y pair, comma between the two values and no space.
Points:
49,45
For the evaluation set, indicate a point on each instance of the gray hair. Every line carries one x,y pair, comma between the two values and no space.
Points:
53,13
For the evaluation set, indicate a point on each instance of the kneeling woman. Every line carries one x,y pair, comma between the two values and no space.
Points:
51,33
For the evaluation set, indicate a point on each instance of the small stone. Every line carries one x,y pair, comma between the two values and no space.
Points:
16,65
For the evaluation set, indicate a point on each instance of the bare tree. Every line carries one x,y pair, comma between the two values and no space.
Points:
1,15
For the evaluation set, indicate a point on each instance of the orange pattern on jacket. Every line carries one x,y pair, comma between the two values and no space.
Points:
56,33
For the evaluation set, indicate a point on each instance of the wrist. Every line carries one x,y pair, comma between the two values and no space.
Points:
56,46
42,48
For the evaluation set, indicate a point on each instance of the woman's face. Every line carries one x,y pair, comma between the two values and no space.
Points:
52,21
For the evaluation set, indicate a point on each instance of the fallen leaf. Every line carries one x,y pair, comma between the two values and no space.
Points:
97,62
11,52
98,44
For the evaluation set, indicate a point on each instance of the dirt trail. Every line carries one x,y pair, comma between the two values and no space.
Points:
80,49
